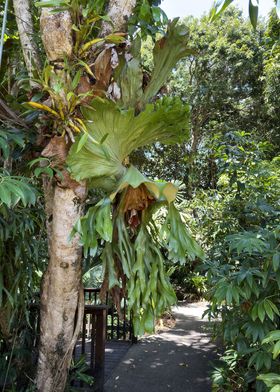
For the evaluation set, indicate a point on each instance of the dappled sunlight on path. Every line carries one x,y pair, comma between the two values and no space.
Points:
174,360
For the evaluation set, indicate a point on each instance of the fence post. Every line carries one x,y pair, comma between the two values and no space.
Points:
101,316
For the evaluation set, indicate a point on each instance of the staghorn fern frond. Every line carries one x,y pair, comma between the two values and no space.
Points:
177,239
120,132
126,221
167,52
132,261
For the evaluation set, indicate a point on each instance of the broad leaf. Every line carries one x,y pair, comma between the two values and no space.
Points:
166,121
167,52
253,12
161,190
218,8
178,239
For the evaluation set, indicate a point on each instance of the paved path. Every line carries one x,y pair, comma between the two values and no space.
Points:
176,360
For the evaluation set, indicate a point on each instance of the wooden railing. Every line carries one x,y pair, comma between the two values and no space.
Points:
92,343
101,323
118,326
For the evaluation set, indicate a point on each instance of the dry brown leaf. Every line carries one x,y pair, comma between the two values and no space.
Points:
103,69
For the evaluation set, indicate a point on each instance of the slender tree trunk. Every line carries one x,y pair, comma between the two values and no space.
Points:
61,295
119,12
26,33
61,292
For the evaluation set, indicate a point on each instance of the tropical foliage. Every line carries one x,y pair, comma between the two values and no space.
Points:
125,220
194,101
231,176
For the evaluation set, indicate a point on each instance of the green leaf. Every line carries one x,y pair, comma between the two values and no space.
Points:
43,170
82,142
261,311
37,160
75,28
96,224
14,189
253,12
167,52
229,295
108,266
5,195
4,146
220,292
131,80
52,3
76,79
115,39
167,121
162,191
179,242
269,379
272,336
274,307
235,293
247,242
149,322
276,349
268,309
218,8
254,312
156,11
276,261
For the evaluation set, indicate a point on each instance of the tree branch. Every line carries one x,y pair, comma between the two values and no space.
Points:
26,33
118,11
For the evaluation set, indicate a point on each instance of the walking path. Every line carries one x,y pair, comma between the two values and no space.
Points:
176,360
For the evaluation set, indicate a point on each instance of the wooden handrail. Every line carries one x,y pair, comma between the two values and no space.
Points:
91,290
97,333
100,322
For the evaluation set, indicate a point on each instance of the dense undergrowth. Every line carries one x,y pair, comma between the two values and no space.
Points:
239,225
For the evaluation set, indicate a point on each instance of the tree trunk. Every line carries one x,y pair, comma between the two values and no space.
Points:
61,292
118,11
26,34
61,295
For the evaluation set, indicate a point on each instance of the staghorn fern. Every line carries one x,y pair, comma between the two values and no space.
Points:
142,272
120,132
124,221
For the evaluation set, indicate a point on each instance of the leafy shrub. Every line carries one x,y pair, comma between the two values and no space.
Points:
240,226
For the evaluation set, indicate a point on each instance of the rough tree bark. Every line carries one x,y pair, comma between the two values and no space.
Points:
118,11
61,295
61,292
26,33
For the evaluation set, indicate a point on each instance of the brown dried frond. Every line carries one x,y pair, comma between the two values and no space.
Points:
103,70
137,199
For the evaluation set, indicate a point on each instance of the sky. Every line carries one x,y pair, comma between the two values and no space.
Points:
196,8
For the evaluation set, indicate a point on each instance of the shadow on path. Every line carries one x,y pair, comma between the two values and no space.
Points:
175,360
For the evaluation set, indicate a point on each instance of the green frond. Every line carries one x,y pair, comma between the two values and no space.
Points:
120,132
167,52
